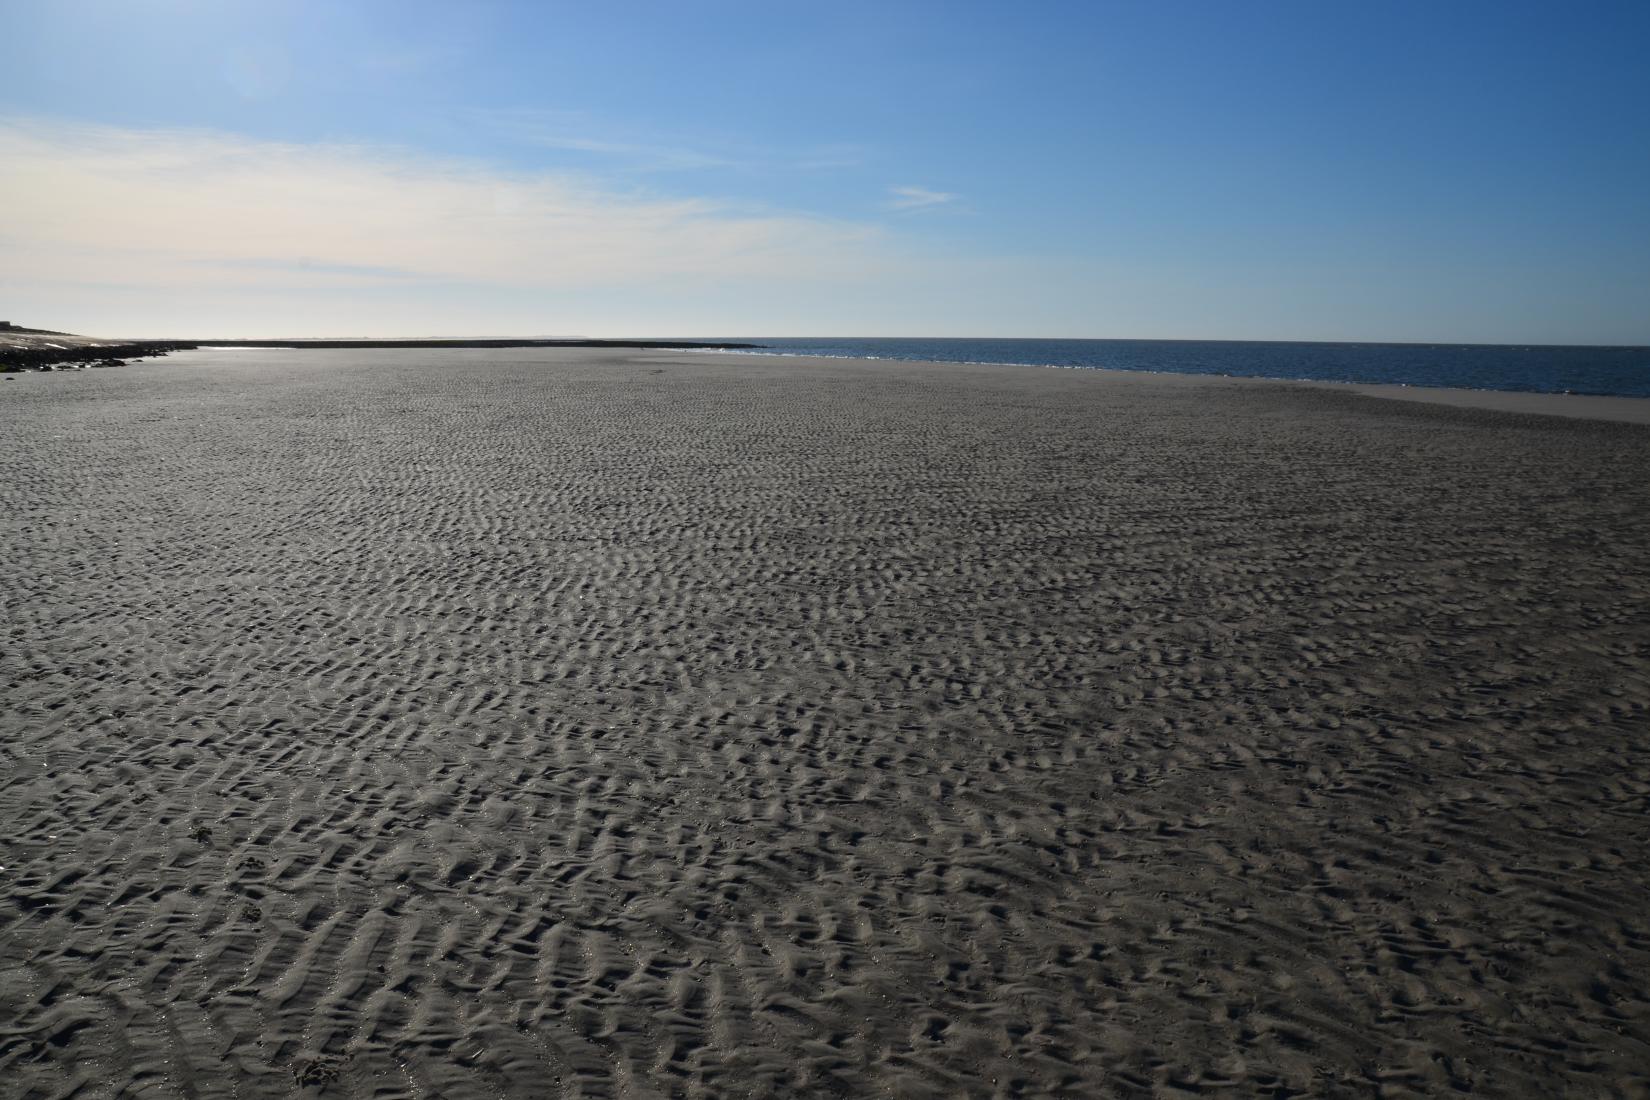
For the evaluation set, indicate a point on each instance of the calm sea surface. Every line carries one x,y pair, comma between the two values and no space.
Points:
1597,370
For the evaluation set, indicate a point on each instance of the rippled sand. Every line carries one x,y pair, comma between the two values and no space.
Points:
534,724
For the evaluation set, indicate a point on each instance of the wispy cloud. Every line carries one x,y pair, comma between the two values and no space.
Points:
918,198
574,131
183,208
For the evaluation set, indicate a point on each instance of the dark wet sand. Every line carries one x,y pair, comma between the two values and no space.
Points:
536,724
1626,410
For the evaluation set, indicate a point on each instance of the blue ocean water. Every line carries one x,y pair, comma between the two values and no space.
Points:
1534,368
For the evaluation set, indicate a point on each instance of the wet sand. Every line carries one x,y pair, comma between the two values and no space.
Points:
594,723
1625,410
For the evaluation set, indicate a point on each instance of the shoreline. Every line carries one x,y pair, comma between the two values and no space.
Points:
1617,408
38,355
47,350
465,342
1582,406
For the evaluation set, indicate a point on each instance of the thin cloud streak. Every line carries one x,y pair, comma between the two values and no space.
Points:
545,134
918,198
179,208
573,131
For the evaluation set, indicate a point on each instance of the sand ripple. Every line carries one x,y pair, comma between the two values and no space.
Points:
476,724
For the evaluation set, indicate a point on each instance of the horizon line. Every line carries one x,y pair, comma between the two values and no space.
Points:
746,337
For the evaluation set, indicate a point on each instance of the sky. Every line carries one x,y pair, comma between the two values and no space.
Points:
1198,169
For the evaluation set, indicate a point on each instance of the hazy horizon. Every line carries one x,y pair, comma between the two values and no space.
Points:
644,336
1297,172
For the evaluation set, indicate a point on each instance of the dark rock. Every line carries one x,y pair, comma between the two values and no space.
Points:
19,359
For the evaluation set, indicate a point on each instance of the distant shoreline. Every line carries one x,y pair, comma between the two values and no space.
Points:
47,350
39,354
1620,408
660,345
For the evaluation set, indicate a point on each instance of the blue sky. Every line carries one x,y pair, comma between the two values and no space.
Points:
1403,171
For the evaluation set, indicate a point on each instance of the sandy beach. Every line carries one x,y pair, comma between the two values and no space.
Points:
571,723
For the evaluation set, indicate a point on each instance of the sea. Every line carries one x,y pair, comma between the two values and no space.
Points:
1532,368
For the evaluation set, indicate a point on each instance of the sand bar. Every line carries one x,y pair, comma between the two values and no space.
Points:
599,723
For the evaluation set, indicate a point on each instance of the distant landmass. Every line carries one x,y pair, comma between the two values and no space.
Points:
469,342
24,349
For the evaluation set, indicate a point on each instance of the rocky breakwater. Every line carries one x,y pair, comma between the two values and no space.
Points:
39,350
